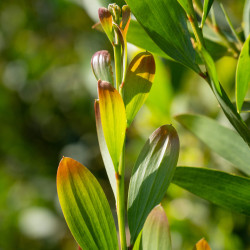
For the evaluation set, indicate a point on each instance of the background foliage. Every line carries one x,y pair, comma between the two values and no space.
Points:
47,96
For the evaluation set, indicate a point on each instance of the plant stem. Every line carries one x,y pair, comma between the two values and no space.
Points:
118,64
120,204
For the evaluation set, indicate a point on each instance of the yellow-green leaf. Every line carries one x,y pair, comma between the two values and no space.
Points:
202,245
113,118
106,22
85,207
137,84
243,74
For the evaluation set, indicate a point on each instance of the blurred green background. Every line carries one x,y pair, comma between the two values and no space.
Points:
47,93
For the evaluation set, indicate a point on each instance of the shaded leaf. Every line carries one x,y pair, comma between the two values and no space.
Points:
221,140
162,23
225,190
137,84
108,163
206,8
113,118
85,207
106,22
101,66
243,74
202,245
246,18
125,20
151,176
225,103
155,233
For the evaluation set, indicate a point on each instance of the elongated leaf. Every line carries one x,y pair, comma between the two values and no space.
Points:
229,191
202,245
187,6
222,140
246,18
206,8
138,36
113,119
225,103
85,207
151,176
106,22
138,242
137,84
155,233
165,23
108,163
243,74
101,66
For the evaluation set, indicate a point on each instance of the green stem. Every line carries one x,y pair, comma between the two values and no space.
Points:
120,204
118,64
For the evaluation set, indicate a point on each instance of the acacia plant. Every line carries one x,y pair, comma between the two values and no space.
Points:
82,199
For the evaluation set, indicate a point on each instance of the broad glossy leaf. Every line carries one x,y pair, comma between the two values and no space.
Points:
101,66
85,207
202,245
151,176
137,83
113,119
167,28
206,8
221,140
226,190
225,103
243,74
106,20
108,163
155,233
246,18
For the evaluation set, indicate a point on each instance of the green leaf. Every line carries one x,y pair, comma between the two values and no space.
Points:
151,176
155,233
243,74
187,6
85,207
137,83
167,27
113,119
202,245
221,140
138,242
108,163
246,18
101,66
206,8
225,103
226,190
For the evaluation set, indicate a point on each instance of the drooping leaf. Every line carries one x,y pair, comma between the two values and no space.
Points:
221,96
151,176
155,233
167,28
206,8
221,140
101,66
202,245
113,118
106,22
108,163
137,84
85,207
225,190
243,74
246,18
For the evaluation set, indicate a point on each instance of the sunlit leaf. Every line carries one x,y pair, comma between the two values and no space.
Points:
225,103
151,176
113,118
202,245
165,23
243,74
226,190
206,8
246,18
101,66
85,207
138,242
137,84
125,19
108,163
186,5
106,22
155,233
221,140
